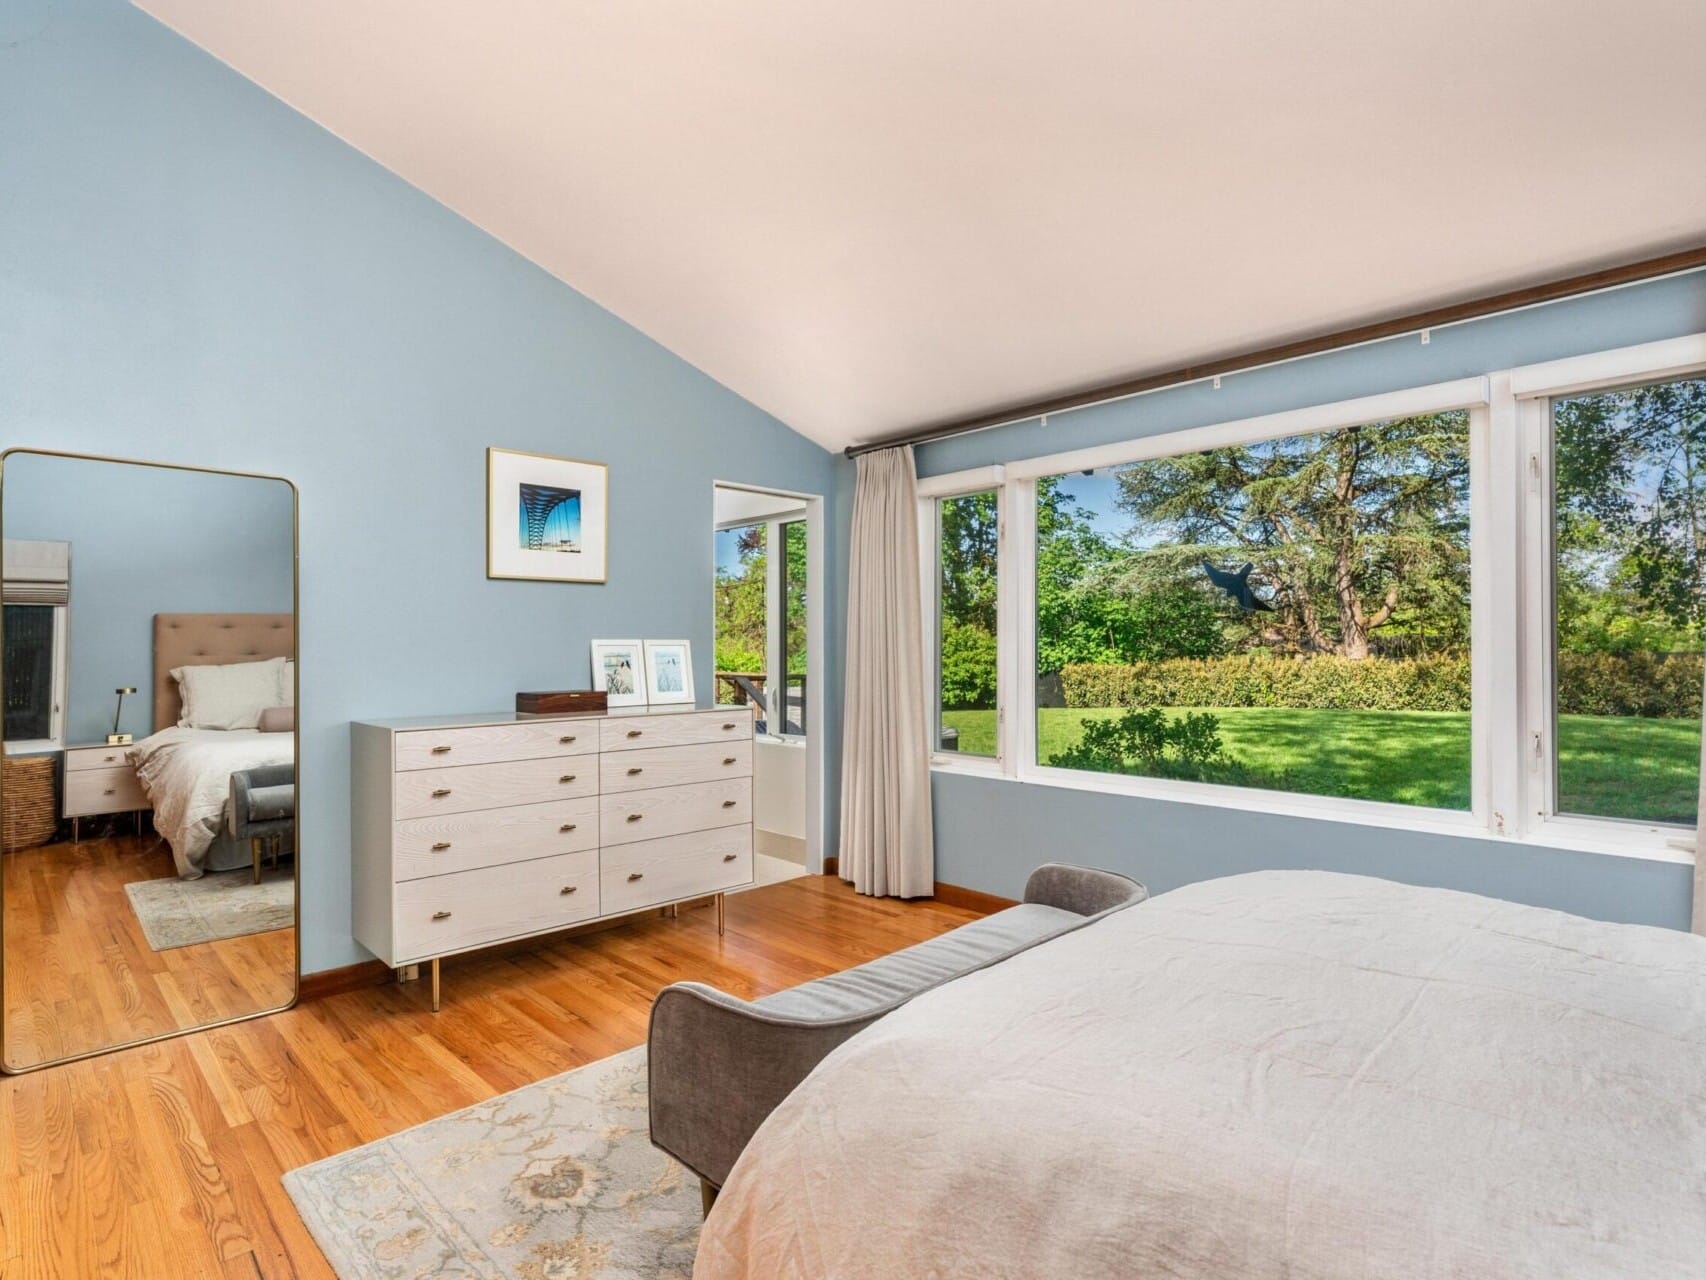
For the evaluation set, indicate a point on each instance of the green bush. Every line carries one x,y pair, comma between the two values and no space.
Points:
968,666
1640,683
1595,684
1262,680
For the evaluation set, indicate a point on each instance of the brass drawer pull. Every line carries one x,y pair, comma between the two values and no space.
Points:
441,846
440,793
636,769
728,726
567,889
635,817
109,759
441,751
634,733
730,857
566,739
566,827
567,777
729,804
441,915
636,875
109,792
728,759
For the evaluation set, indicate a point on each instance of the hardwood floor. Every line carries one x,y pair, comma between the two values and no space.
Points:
79,973
164,1160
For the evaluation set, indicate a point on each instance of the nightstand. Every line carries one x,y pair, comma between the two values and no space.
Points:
99,780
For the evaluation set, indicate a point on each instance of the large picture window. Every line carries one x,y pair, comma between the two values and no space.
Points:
1629,594
1291,614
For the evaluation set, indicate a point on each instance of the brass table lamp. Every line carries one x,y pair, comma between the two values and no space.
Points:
115,738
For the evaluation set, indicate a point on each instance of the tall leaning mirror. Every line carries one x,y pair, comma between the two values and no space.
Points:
148,884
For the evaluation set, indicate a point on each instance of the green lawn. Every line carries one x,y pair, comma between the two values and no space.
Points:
1610,766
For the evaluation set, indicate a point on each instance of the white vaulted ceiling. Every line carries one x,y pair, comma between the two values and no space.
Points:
870,216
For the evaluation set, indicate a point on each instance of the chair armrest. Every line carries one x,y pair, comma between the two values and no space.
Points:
718,1065
244,782
1085,890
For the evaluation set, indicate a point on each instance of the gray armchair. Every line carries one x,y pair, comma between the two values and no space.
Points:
263,811
718,1065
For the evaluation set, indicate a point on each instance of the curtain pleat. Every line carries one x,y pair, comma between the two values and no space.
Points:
887,840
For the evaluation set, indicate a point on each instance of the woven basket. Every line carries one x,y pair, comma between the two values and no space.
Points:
31,816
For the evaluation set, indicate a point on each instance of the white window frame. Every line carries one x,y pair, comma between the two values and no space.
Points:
931,492
1532,390
1503,584
61,691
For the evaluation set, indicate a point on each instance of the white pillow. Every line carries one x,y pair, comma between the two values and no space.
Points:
229,696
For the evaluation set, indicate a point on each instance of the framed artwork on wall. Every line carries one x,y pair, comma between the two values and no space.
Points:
547,519
618,667
669,671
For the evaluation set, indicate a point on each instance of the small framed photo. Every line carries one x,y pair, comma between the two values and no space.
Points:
547,519
618,667
669,671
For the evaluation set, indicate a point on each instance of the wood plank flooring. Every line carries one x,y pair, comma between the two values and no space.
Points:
164,1160
79,973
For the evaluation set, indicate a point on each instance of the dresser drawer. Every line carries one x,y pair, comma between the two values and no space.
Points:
92,791
461,788
486,744
652,871
471,908
668,811
490,837
636,733
673,766
78,759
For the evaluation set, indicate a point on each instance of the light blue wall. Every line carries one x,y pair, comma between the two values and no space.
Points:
145,540
990,833
192,272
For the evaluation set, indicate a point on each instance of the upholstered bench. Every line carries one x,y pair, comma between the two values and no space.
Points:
263,810
719,1065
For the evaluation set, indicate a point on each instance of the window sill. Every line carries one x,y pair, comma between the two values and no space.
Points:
1613,839
34,747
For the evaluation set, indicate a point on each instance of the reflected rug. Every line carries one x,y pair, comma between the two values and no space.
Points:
222,904
555,1181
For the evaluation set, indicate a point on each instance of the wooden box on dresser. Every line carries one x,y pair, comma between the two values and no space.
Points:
472,830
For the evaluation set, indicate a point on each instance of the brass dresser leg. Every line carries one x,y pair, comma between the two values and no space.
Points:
435,984
719,915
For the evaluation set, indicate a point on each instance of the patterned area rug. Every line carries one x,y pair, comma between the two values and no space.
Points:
556,1181
222,904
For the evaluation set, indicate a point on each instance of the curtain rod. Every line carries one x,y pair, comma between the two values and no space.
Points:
1648,269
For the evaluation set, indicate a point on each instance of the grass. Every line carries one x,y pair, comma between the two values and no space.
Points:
1608,766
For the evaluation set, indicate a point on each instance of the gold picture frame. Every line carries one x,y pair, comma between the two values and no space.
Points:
547,518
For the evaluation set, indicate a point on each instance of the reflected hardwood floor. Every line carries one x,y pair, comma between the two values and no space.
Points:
79,973
164,1160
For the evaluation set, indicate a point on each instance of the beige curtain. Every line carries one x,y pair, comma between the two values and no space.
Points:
887,842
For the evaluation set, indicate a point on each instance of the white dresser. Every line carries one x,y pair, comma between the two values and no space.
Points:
471,830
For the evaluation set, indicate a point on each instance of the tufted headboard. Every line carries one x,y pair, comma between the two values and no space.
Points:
209,639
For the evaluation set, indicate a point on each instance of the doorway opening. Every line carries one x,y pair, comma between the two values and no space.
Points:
768,624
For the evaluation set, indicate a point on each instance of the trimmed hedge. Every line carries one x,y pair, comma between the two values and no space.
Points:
1637,684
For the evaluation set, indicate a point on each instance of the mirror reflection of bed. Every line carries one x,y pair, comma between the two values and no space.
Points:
154,890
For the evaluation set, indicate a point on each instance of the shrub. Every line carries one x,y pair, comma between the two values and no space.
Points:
1262,680
1640,683
1595,684
968,666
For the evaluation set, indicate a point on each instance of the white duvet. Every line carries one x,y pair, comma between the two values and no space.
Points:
186,774
1288,1074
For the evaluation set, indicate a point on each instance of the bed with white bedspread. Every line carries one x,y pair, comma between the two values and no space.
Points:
1285,1074
187,775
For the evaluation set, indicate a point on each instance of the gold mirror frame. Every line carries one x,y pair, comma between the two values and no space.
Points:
6,1067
